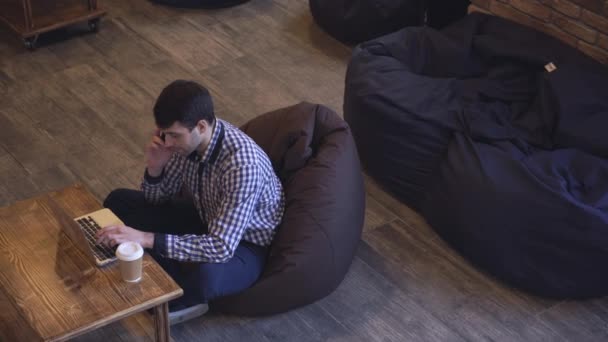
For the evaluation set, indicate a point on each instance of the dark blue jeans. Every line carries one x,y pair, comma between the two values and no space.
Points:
200,281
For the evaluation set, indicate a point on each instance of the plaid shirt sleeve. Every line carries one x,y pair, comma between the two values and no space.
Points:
159,189
242,187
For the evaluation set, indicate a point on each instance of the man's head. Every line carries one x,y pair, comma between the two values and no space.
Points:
184,113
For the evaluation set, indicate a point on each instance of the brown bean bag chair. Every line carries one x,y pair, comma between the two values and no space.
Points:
314,154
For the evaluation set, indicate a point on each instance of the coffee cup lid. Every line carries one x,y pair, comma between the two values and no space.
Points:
129,251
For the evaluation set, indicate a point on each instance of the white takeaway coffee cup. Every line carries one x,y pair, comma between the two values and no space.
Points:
130,255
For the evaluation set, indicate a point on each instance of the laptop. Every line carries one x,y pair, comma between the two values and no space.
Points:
89,225
81,230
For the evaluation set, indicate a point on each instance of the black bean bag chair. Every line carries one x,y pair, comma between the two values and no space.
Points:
355,21
207,4
314,154
503,153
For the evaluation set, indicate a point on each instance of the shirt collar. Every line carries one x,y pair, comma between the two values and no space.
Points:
213,149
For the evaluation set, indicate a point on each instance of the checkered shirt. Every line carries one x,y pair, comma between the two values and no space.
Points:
235,191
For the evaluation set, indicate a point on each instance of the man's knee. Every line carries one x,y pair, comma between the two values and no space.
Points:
118,199
210,281
217,280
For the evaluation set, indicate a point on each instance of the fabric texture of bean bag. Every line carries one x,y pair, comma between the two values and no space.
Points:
209,4
315,156
355,21
494,132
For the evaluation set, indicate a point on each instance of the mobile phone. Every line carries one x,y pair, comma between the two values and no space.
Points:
162,136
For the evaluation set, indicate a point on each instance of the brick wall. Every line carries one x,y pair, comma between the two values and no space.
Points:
580,23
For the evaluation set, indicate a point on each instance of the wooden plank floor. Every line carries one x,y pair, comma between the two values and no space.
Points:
79,109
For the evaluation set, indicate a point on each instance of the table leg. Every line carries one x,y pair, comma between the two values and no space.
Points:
27,12
161,322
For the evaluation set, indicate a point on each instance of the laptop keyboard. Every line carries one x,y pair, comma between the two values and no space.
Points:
90,227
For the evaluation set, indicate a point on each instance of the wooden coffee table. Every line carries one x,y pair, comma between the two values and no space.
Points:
51,291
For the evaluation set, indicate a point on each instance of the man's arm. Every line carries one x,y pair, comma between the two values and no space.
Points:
158,189
242,188
162,178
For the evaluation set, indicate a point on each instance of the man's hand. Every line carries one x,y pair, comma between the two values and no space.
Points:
157,155
114,235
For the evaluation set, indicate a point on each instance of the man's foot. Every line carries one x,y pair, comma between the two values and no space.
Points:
179,314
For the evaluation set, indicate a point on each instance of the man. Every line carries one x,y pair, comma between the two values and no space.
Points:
215,243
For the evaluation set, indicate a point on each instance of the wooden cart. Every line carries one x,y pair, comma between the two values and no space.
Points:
30,18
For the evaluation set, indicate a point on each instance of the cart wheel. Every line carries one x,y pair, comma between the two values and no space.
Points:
94,25
30,42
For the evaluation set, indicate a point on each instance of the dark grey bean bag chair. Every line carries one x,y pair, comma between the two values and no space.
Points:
355,21
506,160
209,4
315,156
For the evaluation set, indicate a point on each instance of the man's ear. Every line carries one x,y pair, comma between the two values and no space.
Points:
202,126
